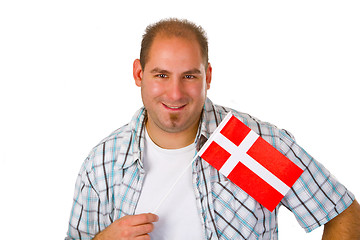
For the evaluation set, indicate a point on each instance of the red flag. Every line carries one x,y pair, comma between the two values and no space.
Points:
250,162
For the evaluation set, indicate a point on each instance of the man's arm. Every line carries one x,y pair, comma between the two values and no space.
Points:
344,226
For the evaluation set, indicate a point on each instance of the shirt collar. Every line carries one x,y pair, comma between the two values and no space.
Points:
131,153
210,119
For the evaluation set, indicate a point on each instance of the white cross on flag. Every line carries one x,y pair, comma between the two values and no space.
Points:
250,162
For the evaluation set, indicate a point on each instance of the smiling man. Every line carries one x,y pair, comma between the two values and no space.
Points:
128,173
173,89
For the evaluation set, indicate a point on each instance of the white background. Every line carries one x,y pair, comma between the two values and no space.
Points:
66,82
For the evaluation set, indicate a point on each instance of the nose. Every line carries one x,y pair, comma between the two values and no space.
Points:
175,90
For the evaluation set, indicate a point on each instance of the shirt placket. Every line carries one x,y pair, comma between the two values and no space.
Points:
202,188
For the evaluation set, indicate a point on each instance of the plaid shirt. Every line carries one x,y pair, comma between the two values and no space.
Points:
110,181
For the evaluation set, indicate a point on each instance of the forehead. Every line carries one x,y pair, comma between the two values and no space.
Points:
167,50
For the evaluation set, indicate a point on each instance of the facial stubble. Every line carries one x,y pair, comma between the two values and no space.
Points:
173,118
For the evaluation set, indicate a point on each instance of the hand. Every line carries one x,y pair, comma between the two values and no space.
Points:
129,227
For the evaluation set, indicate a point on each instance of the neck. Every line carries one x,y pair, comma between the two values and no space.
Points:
168,140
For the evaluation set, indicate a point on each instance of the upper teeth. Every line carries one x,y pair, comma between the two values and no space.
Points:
174,107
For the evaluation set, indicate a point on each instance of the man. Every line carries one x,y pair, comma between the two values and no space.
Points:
127,174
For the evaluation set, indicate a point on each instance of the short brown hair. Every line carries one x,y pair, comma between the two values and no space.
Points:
173,27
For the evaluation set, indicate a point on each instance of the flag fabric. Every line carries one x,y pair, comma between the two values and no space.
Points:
250,162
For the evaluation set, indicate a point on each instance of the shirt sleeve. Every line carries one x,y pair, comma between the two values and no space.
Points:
84,212
317,196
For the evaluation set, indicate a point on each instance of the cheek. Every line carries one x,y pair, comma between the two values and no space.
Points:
197,90
151,89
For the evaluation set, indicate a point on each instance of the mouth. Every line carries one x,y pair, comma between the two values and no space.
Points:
174,107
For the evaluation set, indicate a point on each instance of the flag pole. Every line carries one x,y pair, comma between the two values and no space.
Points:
174,184
199,153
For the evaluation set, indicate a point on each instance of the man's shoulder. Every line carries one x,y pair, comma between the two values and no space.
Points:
122,136
118,148
117,136
251,121
266,130
112,144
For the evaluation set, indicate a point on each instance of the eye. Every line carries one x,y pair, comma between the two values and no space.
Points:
189,76
161,75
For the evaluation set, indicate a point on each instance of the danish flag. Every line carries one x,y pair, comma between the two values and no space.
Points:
250,162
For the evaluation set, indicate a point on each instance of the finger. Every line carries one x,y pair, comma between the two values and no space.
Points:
143,237
143,229
142,219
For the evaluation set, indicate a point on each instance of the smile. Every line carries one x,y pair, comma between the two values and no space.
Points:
174,107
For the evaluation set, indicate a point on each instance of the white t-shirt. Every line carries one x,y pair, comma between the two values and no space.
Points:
178,214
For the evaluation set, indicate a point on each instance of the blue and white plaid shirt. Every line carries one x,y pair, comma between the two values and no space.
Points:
110,180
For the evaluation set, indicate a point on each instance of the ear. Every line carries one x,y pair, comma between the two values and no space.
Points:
137,72
208,76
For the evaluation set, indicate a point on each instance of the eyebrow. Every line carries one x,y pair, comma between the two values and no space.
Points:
159,70
193,71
